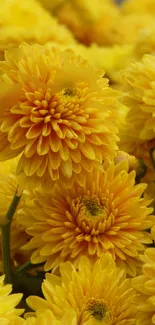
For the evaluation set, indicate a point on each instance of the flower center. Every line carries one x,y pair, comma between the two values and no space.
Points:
69,92
60,109
98,309
92,205
92,216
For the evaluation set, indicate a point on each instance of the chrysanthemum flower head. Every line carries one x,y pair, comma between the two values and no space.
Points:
28,21
126,29
89,20
57,112
8,302
12,36
139,96
145,42
145,285
23,13
99,295
107,214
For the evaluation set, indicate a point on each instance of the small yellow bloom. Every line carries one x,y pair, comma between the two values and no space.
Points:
58,112
89,20
99,295
24,13
28,21
107,214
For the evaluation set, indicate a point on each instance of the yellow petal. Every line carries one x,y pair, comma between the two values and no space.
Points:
66,168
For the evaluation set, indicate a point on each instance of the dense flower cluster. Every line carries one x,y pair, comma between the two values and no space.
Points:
77,162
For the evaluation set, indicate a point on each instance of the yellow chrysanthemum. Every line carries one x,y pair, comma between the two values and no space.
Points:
12,36
27,21
47,318
145,43
139,96
126,29
110,61
8,303
57,111
89,20
99,295
139,6
107,214
8,187
20,13
145,285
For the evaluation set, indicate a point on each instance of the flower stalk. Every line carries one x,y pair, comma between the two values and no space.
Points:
26,267
6,239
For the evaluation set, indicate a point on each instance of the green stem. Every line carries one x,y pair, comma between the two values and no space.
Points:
23,268
27,267
6,239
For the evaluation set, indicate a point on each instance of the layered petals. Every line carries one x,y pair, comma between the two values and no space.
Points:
63,114
106,214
